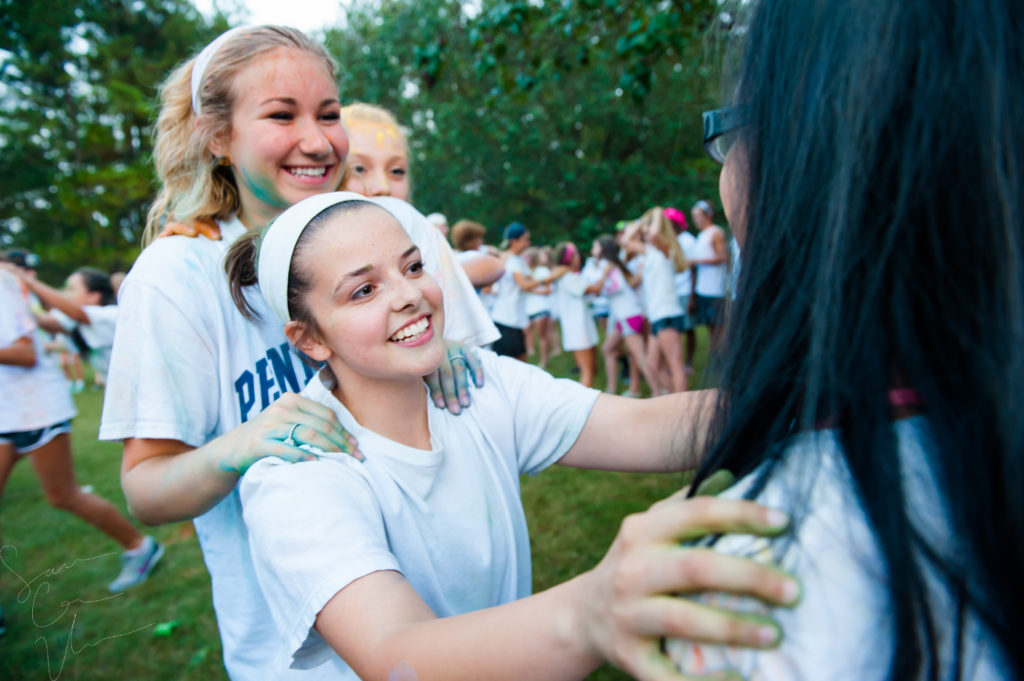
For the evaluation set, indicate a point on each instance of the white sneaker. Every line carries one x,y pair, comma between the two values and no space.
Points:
137,564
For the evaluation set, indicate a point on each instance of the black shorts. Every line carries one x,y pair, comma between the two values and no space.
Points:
512,342
25,441
710,310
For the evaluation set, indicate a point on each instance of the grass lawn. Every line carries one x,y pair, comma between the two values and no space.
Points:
62,623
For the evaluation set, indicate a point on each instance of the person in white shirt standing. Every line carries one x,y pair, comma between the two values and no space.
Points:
579,330
538,305
509,310
482,268
711,256
662,260
684,282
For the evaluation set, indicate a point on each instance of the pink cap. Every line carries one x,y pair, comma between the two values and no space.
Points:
677,216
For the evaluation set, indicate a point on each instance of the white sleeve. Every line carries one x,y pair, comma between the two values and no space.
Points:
99,332
466,319
163,380
17,321
547,413
314,528
66,322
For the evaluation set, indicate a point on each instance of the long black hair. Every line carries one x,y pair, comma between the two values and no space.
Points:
882,152
609,250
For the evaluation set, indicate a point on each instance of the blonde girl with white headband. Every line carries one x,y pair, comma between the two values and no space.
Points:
198,390
414,562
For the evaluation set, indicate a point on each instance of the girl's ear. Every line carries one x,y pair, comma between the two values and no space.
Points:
219,143
217,147
307,341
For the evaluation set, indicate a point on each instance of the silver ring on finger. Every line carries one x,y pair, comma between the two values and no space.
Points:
290,440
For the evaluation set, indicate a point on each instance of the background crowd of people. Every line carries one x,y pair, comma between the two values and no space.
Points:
645,287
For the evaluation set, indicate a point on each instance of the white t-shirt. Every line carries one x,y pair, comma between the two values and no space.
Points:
188,366
657,286
579,331
449,519
684,279
538,302
623,301
842,628
711,279
592,271
509,302
98,333
30,397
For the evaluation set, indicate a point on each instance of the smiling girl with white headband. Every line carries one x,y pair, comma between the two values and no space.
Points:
198,390
414,563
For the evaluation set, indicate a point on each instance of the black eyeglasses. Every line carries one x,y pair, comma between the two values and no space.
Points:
720,128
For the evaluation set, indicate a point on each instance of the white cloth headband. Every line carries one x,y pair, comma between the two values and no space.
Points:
705,206
278,243
203,60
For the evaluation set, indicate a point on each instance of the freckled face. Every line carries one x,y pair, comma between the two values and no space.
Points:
380,315
287,142
379,162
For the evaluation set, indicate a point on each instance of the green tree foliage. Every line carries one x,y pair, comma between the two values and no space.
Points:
568,116
79,86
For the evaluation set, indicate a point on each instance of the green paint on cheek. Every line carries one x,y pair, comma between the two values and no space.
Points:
267,194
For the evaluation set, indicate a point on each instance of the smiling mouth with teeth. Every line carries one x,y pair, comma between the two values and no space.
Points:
411,332
318,171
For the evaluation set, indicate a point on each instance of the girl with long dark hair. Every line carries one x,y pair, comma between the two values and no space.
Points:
873,362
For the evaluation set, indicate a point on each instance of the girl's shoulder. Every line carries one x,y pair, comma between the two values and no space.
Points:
177,260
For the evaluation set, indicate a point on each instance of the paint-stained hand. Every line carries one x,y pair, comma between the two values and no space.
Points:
199,227
633,603
292,428
449,385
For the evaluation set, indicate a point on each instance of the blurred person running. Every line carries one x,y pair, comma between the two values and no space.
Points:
35,422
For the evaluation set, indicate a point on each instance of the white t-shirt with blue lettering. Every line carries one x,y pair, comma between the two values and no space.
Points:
450,518
186,365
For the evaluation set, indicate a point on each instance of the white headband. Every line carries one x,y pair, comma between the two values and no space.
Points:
279,239
203,60
706,207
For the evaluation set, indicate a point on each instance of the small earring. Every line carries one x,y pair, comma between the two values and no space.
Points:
223,160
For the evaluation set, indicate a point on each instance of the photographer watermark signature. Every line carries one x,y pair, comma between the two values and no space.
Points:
39,586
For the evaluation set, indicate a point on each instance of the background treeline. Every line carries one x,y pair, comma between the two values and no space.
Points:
568,116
